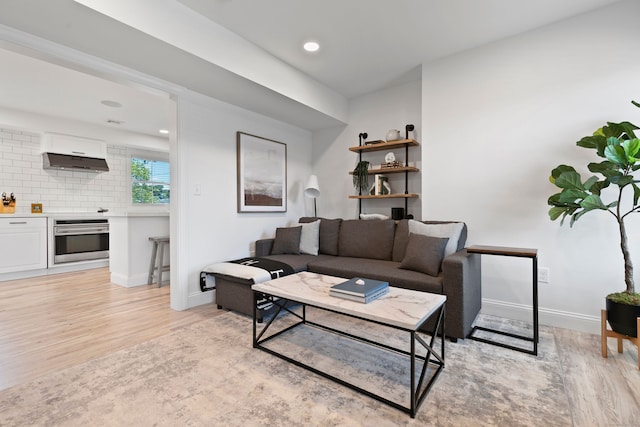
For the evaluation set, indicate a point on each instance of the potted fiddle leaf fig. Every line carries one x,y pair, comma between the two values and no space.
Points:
619,146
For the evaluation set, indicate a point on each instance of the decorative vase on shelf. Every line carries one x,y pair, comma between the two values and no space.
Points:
393,135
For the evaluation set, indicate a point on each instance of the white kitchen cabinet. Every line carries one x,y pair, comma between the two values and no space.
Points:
23,244
74,145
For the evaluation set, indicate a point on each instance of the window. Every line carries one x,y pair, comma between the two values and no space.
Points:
149,181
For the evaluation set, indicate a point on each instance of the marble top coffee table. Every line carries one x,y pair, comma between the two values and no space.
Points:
400,309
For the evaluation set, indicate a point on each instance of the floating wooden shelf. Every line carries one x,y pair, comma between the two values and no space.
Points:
385,145
386,196
391,170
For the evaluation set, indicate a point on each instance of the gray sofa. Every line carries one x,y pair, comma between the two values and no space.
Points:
374,249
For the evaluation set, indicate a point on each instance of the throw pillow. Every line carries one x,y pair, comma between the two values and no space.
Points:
373,216
287,241
329,232
310,238
450,230
366,239
424,254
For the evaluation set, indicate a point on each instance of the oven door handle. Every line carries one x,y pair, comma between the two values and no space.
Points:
60,231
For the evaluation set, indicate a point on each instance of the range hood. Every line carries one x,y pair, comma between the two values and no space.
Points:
71,162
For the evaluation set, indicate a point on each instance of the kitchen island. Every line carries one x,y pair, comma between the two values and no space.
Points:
129,245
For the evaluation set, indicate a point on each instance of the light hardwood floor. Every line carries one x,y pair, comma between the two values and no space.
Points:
50,323
53,322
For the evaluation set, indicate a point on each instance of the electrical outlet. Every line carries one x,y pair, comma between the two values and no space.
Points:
543,274
197,189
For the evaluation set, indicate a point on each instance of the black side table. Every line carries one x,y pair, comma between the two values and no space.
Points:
521,253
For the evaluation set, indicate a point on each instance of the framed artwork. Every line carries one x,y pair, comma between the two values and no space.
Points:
262,174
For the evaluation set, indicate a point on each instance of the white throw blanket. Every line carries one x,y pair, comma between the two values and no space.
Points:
258,275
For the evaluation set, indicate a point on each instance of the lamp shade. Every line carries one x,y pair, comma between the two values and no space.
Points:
312,189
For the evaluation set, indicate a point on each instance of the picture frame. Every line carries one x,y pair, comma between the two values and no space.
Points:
261,174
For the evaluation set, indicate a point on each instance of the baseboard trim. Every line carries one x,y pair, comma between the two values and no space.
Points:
200,298
62,268
130,281
546,316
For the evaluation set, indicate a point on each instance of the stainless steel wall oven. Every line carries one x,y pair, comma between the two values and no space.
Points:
80,240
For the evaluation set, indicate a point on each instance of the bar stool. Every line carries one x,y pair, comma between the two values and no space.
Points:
157,259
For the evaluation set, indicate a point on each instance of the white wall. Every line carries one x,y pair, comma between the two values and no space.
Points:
207,228
375,114
496,120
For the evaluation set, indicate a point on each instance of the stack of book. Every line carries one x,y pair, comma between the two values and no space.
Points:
359,289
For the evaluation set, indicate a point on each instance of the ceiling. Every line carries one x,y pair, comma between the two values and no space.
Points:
366,45
37,86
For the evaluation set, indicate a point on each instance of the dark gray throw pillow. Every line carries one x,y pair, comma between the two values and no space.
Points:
287,241
329,230
424,254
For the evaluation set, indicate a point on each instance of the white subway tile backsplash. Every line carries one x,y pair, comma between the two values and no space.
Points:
21,173
22,164
21,137
12,156
12,169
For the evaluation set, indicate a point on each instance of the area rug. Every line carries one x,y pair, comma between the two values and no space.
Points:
208,374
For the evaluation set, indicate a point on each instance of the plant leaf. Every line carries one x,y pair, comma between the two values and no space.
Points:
631,148
571,195
555,212
592,202
569,179
615,153
622,130
624,181
590,182
602,167
555,173
598,186
636,194
596,141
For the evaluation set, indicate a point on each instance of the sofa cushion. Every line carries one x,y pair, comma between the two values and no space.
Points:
310,237
400,240
298,262
424,254
287,240
329,232
379,270
451,230
366,239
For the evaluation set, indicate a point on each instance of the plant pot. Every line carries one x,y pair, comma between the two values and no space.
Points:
622,318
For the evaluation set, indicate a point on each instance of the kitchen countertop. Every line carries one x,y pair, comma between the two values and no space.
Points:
89,215
135,213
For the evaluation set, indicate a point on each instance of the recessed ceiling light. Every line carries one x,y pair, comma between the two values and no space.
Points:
311,46
163,131
113,104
